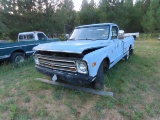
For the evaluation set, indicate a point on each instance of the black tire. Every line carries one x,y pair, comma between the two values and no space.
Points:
131,51
127,56
99,81
17,58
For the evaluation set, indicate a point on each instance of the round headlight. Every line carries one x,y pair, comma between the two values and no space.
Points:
36,60
83,67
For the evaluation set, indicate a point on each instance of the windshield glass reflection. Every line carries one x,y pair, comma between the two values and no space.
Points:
90,33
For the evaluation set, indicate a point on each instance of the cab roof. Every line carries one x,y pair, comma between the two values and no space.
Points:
93,25
32,32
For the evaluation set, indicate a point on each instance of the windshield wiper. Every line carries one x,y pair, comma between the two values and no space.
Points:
85,39
100,38
89,39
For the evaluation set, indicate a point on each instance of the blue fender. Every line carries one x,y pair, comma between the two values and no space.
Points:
97,56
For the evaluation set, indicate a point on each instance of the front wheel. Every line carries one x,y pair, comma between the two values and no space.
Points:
99,81
17,58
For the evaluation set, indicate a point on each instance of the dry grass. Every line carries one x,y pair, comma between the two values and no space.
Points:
136,84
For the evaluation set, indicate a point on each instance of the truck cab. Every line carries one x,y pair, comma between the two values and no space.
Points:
84,57
30,36
17,52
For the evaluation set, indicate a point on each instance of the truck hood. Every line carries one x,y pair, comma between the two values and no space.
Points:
74,46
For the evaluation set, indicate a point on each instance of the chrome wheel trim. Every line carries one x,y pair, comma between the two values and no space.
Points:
19,59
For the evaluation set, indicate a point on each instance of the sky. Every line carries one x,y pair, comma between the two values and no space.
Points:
77,4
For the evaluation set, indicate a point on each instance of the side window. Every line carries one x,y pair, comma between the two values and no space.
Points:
26,37
20,37
41,36
30,37
114,32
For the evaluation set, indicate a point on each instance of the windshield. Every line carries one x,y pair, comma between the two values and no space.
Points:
90,33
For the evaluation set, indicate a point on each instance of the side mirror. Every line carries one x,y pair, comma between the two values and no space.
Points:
121,34
67,36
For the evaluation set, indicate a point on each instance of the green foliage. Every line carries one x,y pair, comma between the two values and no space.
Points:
88,13
125,14
59,17
151,19
65,16
27,99
32,15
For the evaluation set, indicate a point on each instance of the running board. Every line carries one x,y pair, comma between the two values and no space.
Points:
88,90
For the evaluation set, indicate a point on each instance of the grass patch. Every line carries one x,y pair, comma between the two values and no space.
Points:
136,84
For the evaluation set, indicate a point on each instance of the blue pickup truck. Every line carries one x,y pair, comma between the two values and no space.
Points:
84,57
16,52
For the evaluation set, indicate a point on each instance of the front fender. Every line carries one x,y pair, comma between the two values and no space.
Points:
96,56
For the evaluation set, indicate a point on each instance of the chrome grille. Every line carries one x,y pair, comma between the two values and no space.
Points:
57,63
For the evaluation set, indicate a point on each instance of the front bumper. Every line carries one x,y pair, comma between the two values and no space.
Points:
73,78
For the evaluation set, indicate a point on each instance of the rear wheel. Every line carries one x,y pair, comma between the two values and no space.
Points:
127,56
99,81
17,58
130,51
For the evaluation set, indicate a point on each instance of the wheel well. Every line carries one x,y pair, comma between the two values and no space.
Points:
21,51
130,47
134,36
106,62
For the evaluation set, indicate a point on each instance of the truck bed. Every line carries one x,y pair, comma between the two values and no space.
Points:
23,43
13,44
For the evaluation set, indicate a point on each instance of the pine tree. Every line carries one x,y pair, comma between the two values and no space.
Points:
151,18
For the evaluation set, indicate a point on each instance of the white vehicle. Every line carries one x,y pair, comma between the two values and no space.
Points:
17,52
135,35
35,35
83,58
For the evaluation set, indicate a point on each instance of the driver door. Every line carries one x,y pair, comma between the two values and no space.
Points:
118,44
